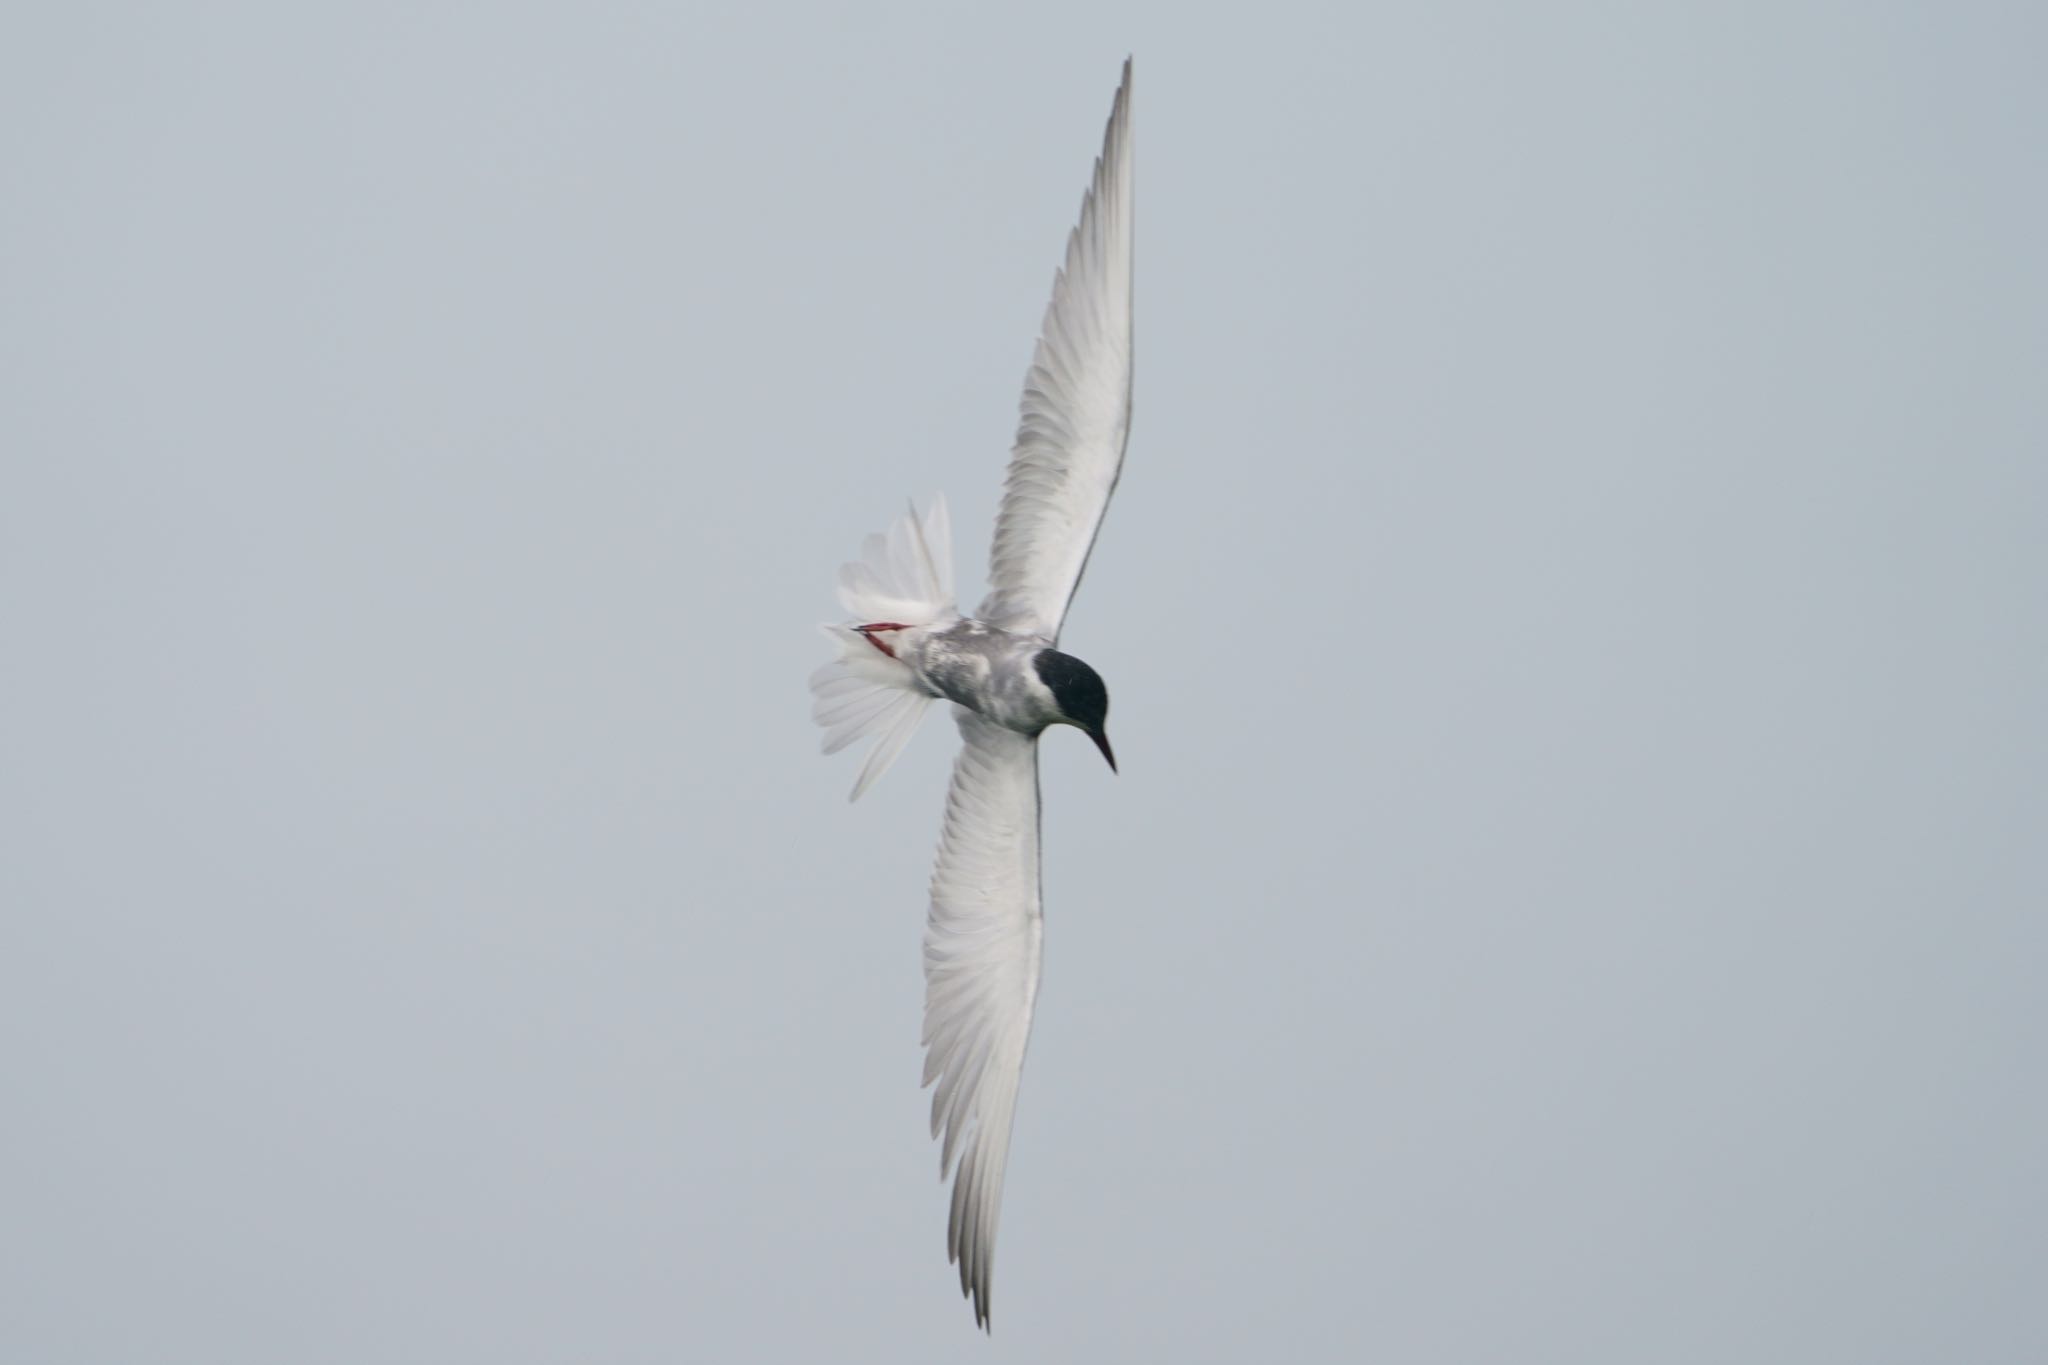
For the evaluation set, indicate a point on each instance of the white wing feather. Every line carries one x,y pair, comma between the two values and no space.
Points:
981,959
1076,412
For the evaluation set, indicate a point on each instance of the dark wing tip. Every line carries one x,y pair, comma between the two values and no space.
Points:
981,1313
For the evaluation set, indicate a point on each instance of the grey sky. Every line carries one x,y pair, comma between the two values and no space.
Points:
1574,612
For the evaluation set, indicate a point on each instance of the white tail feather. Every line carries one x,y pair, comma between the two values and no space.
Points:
906,579
906,576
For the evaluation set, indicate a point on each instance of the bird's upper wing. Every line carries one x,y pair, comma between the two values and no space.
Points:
1076,412
981,955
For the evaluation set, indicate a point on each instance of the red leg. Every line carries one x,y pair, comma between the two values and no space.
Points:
875,632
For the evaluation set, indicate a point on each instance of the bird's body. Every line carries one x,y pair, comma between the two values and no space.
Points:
985,668
909,645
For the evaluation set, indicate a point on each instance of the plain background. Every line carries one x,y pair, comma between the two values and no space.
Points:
1574,611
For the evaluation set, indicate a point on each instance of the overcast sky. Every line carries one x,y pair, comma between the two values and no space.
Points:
1576,612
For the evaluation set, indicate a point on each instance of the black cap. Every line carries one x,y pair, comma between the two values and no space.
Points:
1078,691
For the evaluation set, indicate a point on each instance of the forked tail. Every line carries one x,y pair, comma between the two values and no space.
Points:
901,581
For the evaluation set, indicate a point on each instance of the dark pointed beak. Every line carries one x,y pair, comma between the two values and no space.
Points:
1102,743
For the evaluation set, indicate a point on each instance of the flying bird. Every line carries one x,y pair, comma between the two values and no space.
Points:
908,645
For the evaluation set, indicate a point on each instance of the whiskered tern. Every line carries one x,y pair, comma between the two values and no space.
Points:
908,645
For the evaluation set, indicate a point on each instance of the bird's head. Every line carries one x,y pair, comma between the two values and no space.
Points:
1079,698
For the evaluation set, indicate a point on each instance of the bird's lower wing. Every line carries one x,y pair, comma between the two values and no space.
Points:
981,959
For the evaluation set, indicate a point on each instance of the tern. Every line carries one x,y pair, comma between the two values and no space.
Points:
908,646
